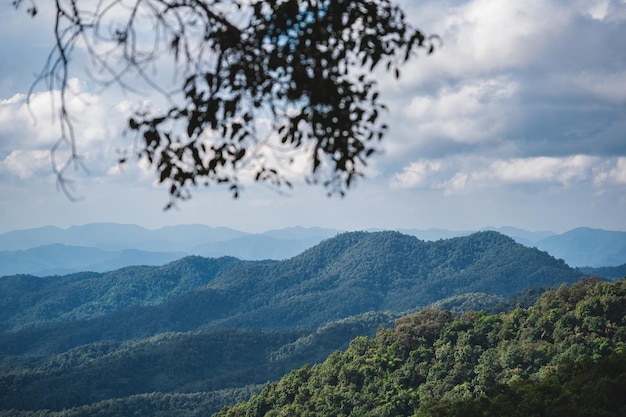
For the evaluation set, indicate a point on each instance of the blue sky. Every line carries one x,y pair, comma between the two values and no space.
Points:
519,119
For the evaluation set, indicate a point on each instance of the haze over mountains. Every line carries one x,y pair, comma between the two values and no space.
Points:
101,247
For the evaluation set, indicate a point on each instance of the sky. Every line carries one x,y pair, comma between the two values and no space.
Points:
518,119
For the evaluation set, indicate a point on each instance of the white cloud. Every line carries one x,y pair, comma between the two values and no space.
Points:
476,113
483,37
26,164
18,98
464,174
562,171
31,127
603,10
417,175
613,174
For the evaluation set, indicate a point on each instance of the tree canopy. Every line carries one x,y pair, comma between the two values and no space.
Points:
262,84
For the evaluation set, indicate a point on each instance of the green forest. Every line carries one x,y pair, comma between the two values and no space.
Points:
564,355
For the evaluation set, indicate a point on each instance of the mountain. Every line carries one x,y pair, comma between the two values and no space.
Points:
587,247
28,301
609,272
113,236
218,325
563,355
57,259
106,246
579,247
199,361
522,236
344,276
273,244
301,233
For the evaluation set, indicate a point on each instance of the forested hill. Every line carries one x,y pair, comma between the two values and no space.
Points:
564,356
361,271
344,276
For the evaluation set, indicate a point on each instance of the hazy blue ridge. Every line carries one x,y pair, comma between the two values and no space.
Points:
587,247
609,272
58,259
114,236
258,247
106,246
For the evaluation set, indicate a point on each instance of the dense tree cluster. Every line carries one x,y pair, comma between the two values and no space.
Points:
434,359
586,388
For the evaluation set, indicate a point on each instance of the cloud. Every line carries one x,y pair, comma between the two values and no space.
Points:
465,174
517,118
30,126
615,174
418,175
25,164
512,81
472,112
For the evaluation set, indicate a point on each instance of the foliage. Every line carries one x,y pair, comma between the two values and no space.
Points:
584,389
170,362
470,301
154,404
434,361
219,364
255,77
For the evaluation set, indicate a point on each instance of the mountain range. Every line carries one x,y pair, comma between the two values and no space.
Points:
102,247
206,331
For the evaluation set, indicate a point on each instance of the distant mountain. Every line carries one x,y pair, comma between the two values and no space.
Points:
258,247
522,236
435,234
587,247
578,247
609,272
57,259
274,244
301,233
113,236
107,246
